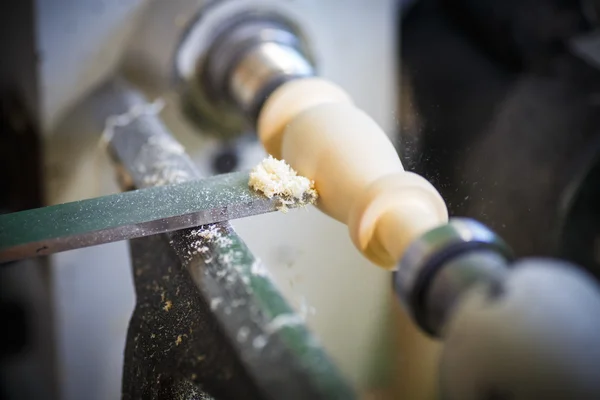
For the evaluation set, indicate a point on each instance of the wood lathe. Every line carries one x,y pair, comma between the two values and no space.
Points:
457,279
487,326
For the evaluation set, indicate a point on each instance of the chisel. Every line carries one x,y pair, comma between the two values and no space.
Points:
129,215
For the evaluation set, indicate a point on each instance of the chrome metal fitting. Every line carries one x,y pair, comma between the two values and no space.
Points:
250,57
246,57
427,257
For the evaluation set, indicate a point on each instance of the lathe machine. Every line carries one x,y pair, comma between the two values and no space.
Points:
139,262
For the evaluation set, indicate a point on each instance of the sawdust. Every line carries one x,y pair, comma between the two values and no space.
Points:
211,240
273,177
214,303
277,323
282,321
243,334
209,233
259,269
131,115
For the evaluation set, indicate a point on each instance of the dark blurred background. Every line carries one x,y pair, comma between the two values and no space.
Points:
25,315
502,113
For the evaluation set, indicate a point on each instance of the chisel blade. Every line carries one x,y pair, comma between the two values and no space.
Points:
129,215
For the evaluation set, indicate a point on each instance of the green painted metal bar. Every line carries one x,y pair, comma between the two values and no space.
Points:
129,215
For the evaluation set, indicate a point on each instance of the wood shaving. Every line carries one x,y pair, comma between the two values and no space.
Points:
273,177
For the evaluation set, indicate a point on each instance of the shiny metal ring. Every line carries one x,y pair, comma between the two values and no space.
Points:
430,252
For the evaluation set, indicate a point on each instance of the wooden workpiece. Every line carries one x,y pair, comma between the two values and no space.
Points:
314,126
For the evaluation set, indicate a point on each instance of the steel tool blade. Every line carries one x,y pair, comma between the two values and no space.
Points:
129,215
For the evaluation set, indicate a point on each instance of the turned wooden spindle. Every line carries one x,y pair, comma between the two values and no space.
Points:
314,126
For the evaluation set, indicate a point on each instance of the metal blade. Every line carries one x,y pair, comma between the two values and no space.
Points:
128,215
